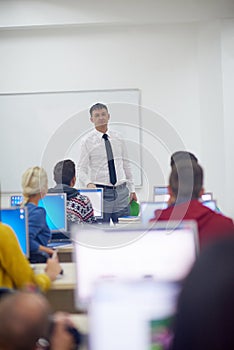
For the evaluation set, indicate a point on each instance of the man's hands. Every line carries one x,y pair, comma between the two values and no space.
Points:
133,197
91,185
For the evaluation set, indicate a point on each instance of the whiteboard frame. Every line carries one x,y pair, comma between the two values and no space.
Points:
80,92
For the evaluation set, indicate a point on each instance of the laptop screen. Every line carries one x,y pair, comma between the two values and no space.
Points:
96,197
16,200
211,204
160,194
55,206
18,220
208,196
135,315
147,210
164,252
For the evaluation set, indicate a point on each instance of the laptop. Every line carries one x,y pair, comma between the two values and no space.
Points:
6,198
17,218
207,196
147,210
165,251
211,204
55,205
96,197
160,194
126,314
56,217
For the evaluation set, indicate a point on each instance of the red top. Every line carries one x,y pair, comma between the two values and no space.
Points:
211,225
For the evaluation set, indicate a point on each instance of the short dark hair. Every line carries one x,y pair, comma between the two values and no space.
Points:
97,106
182,155
64,172
186,180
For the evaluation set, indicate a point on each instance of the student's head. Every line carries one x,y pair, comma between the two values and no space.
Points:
24,318
34,181
99,115
186,180
205,317
65,172
182,155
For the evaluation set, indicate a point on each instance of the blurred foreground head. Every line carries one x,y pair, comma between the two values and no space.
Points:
24,318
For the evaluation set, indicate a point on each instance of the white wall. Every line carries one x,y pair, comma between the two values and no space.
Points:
182,69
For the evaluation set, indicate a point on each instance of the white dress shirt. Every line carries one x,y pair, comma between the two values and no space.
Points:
93,165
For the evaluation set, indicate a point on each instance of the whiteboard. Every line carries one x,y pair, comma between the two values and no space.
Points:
44,128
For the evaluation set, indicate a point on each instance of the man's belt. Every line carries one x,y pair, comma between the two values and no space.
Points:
112,187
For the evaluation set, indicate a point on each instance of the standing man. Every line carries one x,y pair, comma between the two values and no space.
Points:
104,163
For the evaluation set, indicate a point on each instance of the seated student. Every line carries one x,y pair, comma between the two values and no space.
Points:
185,188
35,186
26,324
205,312
79,207
15,270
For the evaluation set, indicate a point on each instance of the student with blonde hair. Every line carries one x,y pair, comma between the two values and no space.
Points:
35,187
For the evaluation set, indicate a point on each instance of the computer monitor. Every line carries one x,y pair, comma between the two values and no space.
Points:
55,205
160,194
147,210
96,197
208,196
6,198
16,200
17,218
139,315
211,204
165,251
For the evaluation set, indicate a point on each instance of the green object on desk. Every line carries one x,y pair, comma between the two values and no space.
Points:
134,208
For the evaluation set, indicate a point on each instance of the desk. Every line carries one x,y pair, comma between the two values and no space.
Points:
65,253
61,294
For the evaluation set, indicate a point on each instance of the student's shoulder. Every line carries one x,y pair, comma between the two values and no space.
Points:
35,211
224,219
8,236
82,198
5,230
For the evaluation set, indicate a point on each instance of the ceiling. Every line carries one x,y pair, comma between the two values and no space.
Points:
65,12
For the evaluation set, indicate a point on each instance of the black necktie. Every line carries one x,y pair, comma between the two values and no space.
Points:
111,163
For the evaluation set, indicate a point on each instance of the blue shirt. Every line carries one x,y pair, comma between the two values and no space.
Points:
39,232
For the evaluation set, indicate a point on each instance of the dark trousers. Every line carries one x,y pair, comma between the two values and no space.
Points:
115,202
37,258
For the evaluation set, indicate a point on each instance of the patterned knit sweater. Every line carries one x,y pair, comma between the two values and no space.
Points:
79,207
